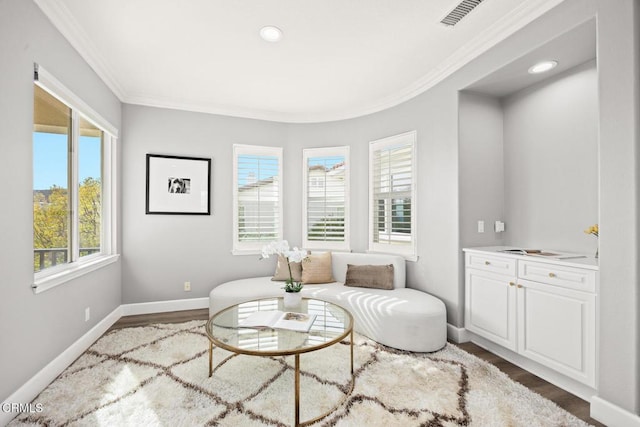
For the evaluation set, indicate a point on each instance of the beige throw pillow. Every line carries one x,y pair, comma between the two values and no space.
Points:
370,276
317,269
282,270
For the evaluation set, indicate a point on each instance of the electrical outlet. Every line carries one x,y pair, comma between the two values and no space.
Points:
499,227
480,226
187,286
87,314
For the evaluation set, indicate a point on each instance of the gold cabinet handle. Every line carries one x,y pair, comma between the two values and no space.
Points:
511,284
519,286
487,263
552,275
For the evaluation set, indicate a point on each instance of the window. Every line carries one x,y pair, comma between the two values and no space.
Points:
325,216
392,195
257,197
72,151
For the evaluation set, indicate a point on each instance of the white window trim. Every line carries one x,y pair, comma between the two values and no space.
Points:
321,152
409,252
253,248
58,275
52,85
72,271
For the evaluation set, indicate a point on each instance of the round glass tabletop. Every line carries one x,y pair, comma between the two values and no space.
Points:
261,327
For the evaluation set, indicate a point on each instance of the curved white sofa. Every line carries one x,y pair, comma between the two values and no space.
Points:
402,318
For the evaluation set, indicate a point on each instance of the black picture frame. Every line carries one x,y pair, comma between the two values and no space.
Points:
178,185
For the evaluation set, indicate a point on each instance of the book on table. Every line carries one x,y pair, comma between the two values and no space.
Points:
541,253
279,320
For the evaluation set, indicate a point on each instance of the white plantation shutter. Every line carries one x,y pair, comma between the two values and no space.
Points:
325,198
257,202
392,195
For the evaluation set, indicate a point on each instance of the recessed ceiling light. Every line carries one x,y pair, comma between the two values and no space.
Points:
542,67
270,33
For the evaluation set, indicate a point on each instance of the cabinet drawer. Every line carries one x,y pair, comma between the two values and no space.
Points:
487,262
558,275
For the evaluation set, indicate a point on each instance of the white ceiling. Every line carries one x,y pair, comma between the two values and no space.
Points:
575,47
338,58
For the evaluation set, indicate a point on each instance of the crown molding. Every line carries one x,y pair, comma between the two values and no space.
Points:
524,14
59,14
210,108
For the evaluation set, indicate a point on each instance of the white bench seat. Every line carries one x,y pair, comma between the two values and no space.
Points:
401,318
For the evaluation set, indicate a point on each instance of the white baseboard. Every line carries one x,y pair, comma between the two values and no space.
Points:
457,335
612,415
164,306
46,375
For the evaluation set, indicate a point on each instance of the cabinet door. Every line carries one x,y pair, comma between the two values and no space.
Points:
556,327
490,306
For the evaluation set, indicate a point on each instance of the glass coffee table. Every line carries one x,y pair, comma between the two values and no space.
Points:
331,325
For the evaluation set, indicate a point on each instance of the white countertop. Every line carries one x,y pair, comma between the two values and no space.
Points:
576,260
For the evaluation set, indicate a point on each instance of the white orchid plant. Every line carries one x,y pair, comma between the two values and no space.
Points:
291,255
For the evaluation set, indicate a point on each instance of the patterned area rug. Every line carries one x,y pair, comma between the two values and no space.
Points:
158,375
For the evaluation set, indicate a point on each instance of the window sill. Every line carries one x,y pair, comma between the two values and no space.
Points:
246,252
408,257
329,248
73,271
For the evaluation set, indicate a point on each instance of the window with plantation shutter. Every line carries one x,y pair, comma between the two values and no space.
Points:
392,195
325,216
257,197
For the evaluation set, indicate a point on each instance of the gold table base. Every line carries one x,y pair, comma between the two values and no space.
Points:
297,385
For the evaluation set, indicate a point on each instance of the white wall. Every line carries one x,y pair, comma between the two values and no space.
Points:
433,117
531,160
34,329
619,91
481,165
551,162
164,251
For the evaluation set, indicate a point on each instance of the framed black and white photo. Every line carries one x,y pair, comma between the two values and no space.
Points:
178,185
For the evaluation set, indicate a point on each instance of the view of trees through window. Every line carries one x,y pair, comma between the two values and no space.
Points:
55,222
51,223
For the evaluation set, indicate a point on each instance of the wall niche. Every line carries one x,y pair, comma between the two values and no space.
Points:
528,147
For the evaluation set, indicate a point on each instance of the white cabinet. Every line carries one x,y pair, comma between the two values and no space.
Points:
490,306
542,309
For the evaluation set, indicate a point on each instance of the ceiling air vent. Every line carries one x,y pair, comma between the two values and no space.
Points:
460,12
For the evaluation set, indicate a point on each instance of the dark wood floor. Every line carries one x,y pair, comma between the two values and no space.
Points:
568,401
173,317
562,398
